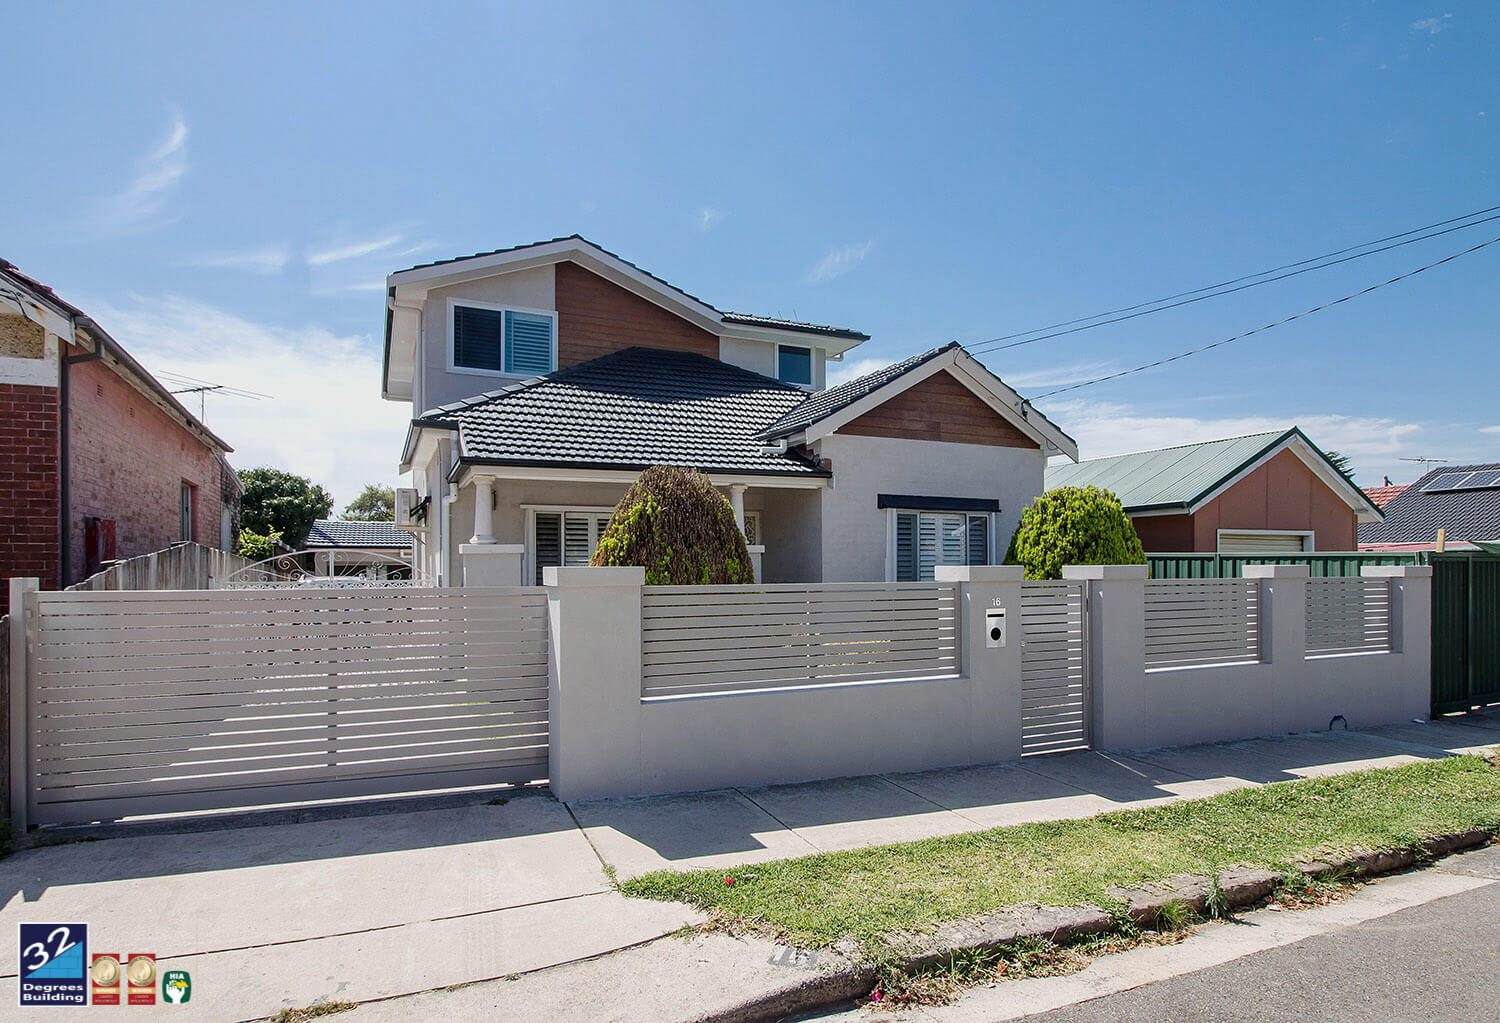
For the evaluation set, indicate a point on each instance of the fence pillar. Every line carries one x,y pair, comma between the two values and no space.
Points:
1411,611
22,607
1116,599
492,564
994,725
594,681
1283,644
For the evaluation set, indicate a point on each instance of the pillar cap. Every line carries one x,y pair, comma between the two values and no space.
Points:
1396,571
588,575
470,549
1276,572
978,573
1106,571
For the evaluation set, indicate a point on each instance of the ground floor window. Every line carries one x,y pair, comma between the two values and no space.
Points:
923,540
563,537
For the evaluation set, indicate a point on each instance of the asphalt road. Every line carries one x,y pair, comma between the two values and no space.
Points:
1433,963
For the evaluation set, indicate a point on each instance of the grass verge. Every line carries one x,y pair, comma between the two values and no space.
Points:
875,897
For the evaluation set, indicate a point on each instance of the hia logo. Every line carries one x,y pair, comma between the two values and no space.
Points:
54,964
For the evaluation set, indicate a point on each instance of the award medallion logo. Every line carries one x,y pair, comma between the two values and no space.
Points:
140,979
54,964
106,975
176,987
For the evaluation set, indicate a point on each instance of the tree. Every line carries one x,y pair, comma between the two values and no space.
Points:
375,503
674,524
1074,526
278,501
1340,462
257,547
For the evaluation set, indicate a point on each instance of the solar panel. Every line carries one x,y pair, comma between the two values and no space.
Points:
1480,479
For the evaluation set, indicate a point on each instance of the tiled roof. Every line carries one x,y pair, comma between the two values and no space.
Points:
744,318
345,533
1383,496
629,410
1414,516
1167,477
825,403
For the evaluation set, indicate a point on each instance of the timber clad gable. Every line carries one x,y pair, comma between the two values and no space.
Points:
939,409
596,317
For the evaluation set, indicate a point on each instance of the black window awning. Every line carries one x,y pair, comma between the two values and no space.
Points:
917,502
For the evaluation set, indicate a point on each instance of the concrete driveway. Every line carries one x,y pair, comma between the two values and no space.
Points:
359,903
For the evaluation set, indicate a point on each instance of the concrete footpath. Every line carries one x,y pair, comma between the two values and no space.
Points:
381,903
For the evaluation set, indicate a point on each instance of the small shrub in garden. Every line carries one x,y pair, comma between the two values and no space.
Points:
1074,526
675,525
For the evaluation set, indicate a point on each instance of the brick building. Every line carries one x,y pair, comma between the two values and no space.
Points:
98,460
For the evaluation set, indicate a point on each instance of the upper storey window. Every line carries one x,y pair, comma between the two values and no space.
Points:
794,365
500,339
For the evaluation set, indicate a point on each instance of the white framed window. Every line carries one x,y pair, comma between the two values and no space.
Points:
919,541
500,340
794,365
558,536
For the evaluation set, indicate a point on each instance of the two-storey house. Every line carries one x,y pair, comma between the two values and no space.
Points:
543,379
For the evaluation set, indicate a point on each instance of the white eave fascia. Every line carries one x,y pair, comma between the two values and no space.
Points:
984,385
1363,508
464,471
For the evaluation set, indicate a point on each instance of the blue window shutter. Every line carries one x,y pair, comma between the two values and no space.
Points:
476,338
549,547
528,343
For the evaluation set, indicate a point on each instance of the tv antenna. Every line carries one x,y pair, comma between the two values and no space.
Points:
1426,463
202,388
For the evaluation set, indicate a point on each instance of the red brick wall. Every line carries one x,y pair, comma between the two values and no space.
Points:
595,317
128,462
29,508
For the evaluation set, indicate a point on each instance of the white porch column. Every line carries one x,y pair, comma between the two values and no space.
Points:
737,502
484,510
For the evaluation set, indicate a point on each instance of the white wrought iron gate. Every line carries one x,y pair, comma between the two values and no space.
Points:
1055,711
152,702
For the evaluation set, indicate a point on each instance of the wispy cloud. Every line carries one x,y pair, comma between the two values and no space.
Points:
157,175
338,253
1489,429
709,217
839,261
1432,26
843,372
322,385
267,259
1060,376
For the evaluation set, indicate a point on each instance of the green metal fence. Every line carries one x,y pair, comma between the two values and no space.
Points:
1465,631
1231,566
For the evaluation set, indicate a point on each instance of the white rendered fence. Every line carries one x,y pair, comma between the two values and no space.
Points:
702,640
1192,622
1348,615
146,702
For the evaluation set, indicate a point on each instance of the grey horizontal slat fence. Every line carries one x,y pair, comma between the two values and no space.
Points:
1348,616
1198,622
700,640
148,702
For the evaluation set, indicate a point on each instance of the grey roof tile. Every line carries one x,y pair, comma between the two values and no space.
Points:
349,533
1414,516
629,410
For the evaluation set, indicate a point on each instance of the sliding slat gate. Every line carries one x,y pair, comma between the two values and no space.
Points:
151,702
1055,714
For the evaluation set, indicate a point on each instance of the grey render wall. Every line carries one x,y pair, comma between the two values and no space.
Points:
437,384
854,529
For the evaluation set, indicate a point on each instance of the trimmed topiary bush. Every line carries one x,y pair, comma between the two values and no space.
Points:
1074,526
675,525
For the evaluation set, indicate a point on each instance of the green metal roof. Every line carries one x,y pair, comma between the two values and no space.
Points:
1176,477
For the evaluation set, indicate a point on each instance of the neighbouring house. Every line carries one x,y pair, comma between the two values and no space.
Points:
1264,493
375,550
1461,500
1384,495
544,378
98,459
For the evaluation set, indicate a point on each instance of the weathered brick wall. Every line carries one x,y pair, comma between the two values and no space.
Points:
128,462
29,510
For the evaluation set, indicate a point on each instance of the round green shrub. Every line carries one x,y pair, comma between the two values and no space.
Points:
1074,526
675,525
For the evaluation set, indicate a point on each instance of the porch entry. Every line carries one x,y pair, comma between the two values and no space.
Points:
567,537
161,702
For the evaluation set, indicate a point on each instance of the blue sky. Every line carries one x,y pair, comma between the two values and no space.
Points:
224,189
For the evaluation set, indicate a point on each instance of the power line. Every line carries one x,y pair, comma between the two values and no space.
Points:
1268,326
990,345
